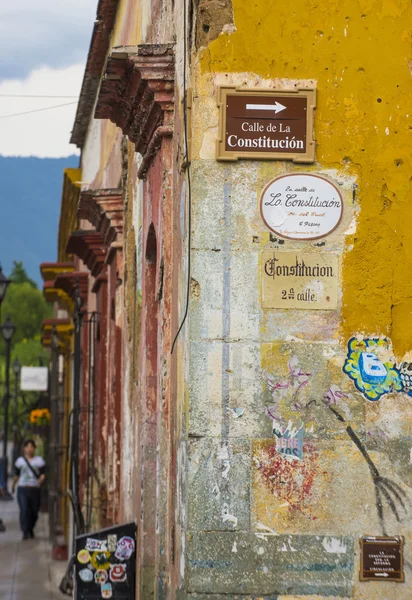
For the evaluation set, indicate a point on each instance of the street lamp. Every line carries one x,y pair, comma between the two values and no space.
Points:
16,366
7,329
4,284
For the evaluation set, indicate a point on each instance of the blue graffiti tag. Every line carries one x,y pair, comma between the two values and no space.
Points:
371,376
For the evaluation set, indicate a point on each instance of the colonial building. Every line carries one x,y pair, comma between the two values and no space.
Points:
239,273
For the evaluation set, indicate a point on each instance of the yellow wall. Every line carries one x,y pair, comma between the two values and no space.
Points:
358,51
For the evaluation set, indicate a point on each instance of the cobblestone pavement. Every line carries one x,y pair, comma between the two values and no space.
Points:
27,571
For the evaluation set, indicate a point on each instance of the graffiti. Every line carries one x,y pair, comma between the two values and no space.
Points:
289,437
386,491
290,481
289,442
289,466
406,377
334,396
372,376
296,381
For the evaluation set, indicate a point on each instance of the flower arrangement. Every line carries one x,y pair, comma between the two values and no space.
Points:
40,416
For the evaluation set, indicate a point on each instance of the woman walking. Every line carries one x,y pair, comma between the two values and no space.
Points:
28,475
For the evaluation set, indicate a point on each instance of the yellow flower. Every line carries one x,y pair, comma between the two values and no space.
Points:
40,415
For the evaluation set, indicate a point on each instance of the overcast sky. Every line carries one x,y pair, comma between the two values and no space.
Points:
43,49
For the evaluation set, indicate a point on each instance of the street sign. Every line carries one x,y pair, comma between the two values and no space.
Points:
266,124
34,379
299,280
301,206
381,558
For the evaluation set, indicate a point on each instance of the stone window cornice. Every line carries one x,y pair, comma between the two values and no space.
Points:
89,246
104,210
137,94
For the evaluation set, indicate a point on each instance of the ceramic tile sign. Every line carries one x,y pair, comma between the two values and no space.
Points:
302,280
263,124
381,559
301,206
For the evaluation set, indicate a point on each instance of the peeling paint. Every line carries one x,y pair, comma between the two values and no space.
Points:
227,517
334,545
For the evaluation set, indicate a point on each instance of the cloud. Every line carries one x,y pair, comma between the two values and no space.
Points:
53,33
40,133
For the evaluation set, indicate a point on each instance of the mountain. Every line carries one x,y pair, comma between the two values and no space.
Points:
30,197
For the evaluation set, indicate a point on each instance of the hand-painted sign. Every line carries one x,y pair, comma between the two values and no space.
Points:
381,558
303,280
266,124
301,206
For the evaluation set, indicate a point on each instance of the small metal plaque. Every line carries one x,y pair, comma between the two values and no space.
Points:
302,280
381,558
266,124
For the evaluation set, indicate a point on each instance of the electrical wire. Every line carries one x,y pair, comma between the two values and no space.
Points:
28,112
32,96
189,187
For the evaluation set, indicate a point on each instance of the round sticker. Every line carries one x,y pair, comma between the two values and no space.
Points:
100,560
100,576
86,575
83,557
301,206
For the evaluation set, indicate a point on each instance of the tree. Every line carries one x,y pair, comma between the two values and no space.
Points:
31,353
19,274
27,309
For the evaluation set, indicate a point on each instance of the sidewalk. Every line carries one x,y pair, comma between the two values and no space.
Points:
27,571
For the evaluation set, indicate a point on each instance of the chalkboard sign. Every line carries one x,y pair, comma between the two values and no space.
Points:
106,564
382,558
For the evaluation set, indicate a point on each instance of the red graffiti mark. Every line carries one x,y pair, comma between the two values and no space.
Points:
290,480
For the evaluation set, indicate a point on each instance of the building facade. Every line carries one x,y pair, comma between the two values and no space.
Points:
252,416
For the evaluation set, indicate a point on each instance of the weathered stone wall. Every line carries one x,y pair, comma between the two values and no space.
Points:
258,522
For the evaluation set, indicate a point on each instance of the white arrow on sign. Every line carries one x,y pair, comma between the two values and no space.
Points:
277,107
381,575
